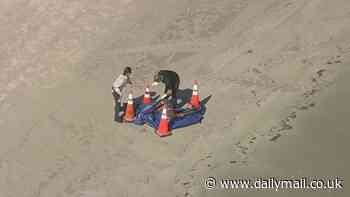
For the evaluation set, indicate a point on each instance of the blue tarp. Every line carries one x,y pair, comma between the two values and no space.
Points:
148,115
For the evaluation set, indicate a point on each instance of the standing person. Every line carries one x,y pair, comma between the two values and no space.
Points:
117,89
171,81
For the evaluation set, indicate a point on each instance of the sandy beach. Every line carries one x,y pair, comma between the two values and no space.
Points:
277,72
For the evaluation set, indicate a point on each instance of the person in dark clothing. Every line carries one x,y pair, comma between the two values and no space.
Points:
171,81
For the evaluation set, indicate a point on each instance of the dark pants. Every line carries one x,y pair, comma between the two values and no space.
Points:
173,102
173,99
118,107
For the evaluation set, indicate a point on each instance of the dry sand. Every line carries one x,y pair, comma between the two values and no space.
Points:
276,69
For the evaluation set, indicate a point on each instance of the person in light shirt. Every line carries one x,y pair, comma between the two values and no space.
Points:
117,90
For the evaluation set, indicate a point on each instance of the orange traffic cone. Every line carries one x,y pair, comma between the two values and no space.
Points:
147,97
195,96
163,128
129,112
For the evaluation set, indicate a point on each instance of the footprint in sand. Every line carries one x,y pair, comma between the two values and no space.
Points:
285,126
307,106
320,72
274,138
310,93
334,61
292,116
251,141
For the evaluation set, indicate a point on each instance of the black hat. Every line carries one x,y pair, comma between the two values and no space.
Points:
127,70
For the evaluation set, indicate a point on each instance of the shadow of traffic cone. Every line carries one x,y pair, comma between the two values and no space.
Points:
129,112
163,128
195,96
147,97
